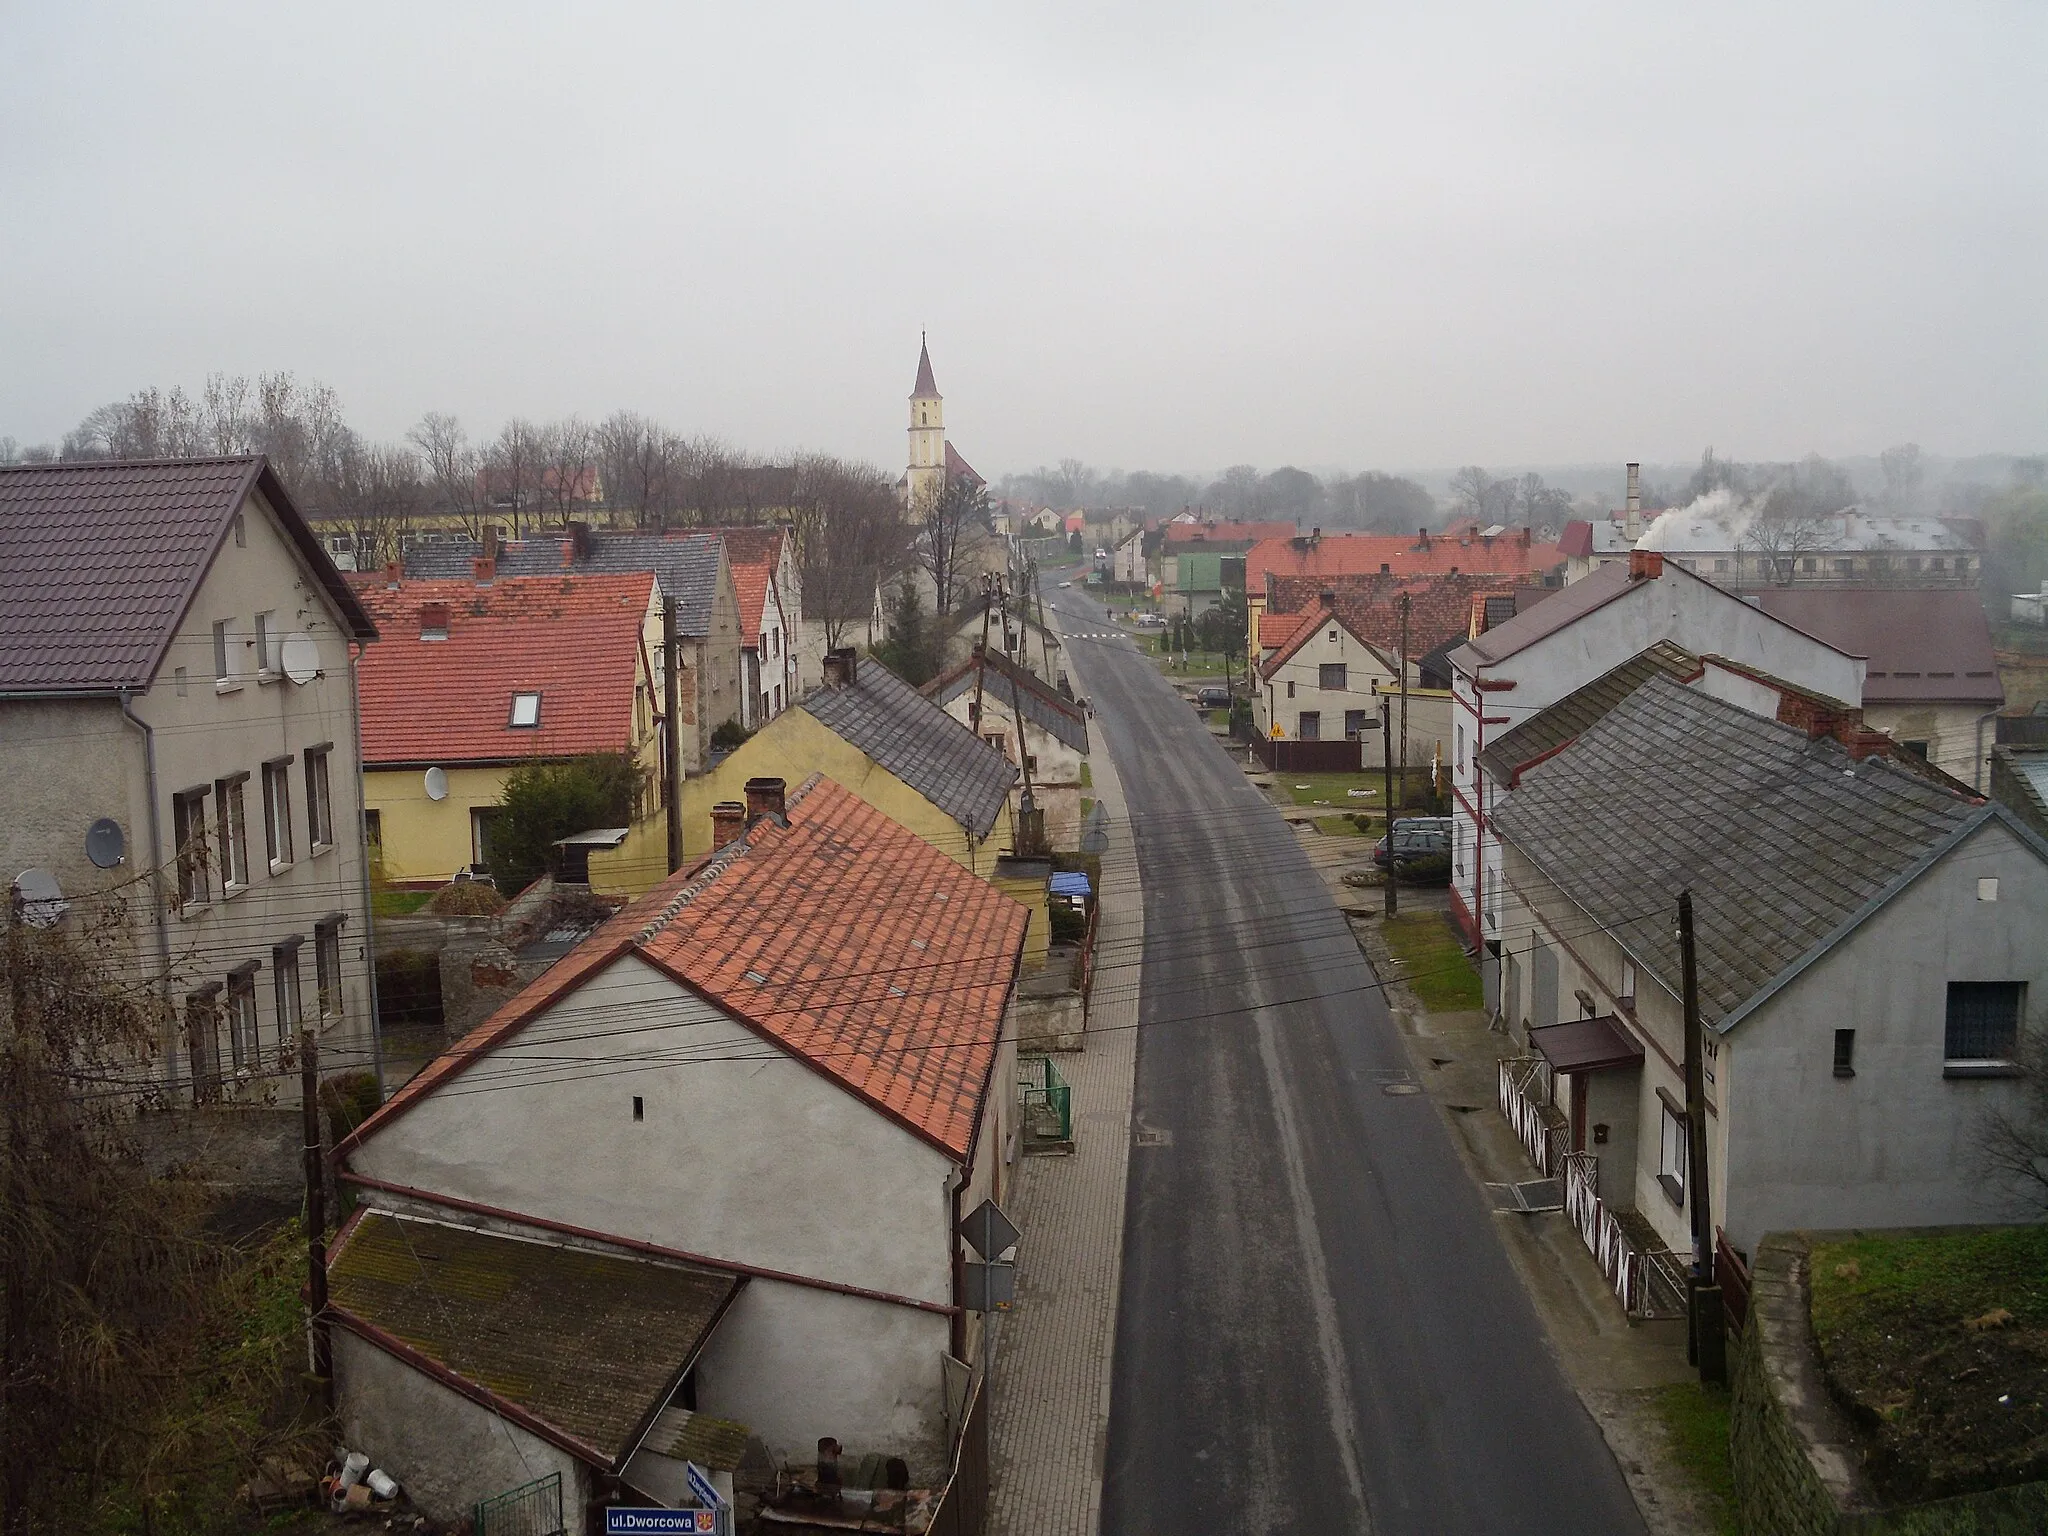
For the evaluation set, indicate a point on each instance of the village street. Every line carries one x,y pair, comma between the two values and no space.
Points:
1318,1328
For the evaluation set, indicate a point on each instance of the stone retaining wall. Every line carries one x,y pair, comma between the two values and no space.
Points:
1797,1465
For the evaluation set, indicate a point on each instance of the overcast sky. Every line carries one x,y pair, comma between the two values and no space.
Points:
1173,235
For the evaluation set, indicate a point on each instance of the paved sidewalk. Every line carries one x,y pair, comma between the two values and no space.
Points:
1050,1412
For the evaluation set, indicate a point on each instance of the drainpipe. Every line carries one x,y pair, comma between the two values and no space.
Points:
1977,763
355,714
156,901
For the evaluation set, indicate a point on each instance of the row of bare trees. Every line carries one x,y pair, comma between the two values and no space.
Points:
627,469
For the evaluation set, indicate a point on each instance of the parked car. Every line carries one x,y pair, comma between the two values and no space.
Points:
1213,696
1150,621
1419,843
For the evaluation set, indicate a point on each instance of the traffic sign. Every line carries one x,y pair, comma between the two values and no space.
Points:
988,1287
702,1486
988,1231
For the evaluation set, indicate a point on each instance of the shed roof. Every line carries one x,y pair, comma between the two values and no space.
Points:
686,565
1586,1045
1043,706
1641,807
918,742
99,561
574,640
588,1343
1924,644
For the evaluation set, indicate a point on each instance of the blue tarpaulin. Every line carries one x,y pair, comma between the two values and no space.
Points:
1070,883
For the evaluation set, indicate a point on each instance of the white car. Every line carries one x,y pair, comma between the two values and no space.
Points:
1066,584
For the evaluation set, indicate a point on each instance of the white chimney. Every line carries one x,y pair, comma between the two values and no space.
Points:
1633,525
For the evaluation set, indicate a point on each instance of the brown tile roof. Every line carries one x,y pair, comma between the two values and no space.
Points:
574,640
1357,554
590,1344
99,561
883,964
1923,644
1439,607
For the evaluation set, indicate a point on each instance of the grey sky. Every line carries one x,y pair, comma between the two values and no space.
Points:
1175,235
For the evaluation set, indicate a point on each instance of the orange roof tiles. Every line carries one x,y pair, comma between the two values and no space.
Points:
842,937
575,640
1353,554
1227,533
1439,610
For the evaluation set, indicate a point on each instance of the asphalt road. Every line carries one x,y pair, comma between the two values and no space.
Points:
1319,1330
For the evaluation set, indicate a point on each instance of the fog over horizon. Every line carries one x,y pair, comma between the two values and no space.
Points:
1170,238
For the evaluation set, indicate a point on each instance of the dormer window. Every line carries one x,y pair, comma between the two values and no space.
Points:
525,710
433,621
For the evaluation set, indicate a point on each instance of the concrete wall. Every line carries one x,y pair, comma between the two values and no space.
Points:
447,1451
67,763
1898,1144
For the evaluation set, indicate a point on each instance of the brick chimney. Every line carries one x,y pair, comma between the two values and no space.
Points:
394,573
764,798
490,541
433,621
1632,524
582,542
728,822
842,667
1645,565
485,569
1422,538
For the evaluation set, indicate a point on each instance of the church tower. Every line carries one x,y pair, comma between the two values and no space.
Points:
925,477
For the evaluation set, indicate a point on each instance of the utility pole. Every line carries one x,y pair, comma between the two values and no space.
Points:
988,588
316,1215
1404,705
14,1479
1387,786
1707,1343
671,733
1031,821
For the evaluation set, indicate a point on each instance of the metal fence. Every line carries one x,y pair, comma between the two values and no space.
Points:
1732,1275
531,1509
1039,1083
1524,1091
1347,756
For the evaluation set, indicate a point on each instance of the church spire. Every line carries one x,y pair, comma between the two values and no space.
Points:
927,387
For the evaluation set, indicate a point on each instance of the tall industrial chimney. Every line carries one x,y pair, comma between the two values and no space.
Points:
1633,525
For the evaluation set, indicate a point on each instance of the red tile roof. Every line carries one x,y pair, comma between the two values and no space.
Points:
1354,554
845,939
574,640
1439,609
1227,533
755,555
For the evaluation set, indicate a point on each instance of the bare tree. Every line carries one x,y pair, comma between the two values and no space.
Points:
1475,490
451,470
2016,1135
1903,474
512,472
567,451
639,460
850,537
959,509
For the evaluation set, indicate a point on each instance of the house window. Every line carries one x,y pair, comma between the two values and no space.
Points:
284,974
1912,562
224,650
327,966
188,817
1672,1155
202,1041
482,819
1290,688
1628,982
1354,723
1330,677
373,835
234,832
1962,565
266,642
242,1040
1333,637
1809,565
1311,725
1983,1024
525,710
1720,566
277,813
1845,1053
1938,563
1917,748
1845,567
319,799
179,677
241,532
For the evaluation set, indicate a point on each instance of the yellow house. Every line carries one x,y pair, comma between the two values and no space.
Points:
482,676
872,733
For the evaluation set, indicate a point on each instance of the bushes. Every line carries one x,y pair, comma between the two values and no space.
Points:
466,898
547,801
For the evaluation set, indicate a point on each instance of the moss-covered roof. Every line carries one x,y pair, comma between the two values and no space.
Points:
583,1341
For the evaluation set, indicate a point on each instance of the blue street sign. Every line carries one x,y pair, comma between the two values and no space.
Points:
660,1522
702,1486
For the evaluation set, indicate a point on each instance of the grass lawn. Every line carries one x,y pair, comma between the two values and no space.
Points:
399,903
1433,962
1087,778
1332,789
1695,1415
1934,1342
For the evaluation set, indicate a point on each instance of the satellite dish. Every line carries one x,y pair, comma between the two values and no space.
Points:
437,784
105,844
42,898
301,658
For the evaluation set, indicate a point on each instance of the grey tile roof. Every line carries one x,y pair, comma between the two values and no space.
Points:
1043,707
1781,839
686,565
918,742
98,562
1550,728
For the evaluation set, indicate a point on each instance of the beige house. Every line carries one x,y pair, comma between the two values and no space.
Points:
178,741
989,695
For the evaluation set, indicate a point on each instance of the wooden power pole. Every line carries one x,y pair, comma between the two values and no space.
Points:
1387,787
316,1215
672,733
1706,1339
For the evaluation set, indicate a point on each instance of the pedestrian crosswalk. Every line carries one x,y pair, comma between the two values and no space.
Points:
1097,634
